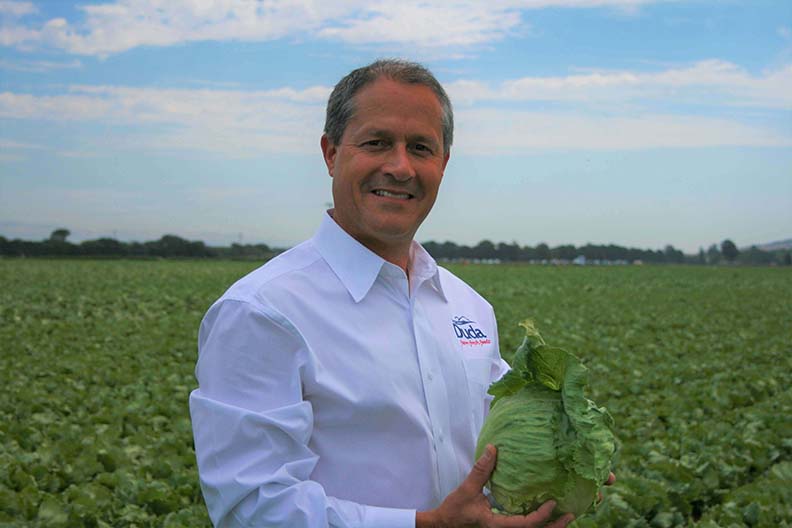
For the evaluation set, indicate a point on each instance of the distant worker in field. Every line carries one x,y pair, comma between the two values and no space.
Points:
344,383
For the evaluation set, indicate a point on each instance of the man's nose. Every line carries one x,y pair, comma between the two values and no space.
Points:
399,164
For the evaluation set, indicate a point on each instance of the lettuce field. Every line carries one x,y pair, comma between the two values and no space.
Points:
694,364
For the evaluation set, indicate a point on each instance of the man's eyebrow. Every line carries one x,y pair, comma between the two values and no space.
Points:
420,138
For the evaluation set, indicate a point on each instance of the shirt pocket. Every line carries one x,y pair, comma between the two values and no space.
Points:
478,371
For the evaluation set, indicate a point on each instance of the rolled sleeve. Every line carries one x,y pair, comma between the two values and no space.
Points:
252,428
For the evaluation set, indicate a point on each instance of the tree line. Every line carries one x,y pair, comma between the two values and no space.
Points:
725,252
169,246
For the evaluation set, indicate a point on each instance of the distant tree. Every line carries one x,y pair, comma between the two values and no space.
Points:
105,247
702,257
485,250
754,255
543,252
59,235
237,250
527,253
508,252
137,249
614,252
449,250
673,255
594,252
565,252
433,248
461,251
174,246
262,250
713,254
787,259
729,250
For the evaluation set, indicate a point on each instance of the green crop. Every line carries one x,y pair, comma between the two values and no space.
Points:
695,364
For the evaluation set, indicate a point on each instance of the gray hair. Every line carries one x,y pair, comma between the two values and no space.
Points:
341,104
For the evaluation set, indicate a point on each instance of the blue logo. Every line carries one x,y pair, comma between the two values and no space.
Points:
464,329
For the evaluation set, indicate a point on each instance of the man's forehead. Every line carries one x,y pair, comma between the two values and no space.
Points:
387,95
385,89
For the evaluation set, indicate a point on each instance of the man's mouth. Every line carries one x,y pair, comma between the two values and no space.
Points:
396,195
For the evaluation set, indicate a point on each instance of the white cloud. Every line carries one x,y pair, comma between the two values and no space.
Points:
16,9
110,28
494,131
706,83
78,154
166,106
8,144
115,27
417,23
38,66
621,4
233,123
11,150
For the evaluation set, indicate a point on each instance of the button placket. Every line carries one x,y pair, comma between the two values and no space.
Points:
437,403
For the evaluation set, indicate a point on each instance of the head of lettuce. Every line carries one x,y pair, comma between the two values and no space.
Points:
553,443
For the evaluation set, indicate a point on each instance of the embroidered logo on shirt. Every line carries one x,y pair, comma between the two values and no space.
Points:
467,333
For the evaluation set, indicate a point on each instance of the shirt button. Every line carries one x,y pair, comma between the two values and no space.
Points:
429,376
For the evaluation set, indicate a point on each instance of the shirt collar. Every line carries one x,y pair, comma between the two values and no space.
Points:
357,267
423,267
353,263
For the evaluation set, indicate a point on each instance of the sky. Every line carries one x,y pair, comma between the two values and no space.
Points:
640,123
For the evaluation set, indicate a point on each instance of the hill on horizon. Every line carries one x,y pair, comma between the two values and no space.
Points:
773,246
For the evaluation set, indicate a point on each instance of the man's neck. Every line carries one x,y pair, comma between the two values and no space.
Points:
397,253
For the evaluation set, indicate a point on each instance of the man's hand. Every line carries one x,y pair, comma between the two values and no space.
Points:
609,482
467,506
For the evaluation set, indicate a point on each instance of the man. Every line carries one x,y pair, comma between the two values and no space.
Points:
335,389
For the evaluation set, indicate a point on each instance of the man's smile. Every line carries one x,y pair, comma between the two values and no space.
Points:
393,194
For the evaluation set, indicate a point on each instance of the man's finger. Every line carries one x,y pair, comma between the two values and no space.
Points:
562,521
482,470
534,519
542,513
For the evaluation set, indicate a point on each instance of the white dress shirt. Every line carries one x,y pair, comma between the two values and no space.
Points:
335,392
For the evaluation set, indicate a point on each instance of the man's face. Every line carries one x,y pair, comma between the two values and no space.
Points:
388,166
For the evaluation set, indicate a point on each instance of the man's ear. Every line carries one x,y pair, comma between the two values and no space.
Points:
329,152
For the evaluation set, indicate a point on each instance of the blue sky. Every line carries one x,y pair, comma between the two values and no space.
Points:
635,122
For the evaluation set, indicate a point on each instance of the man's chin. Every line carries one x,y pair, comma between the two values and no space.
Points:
388,233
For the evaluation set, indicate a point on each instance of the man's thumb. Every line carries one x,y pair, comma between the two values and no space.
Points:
483,467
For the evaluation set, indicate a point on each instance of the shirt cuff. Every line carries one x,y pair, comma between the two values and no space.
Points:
377,517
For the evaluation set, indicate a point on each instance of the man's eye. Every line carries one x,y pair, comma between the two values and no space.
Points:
423,149
374,143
